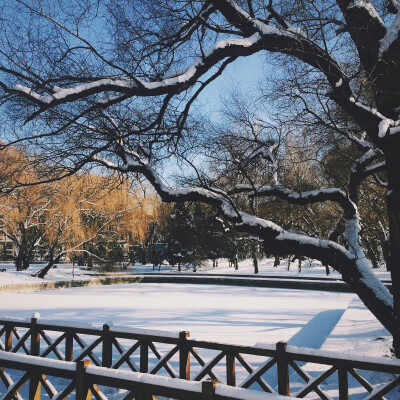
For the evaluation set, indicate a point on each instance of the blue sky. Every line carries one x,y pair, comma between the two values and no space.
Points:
245,72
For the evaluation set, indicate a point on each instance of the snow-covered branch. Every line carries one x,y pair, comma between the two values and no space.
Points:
366,29
392,34
300,198
174,81
274,236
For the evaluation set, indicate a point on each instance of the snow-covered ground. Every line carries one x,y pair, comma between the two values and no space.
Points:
243,315
265,265
266,268
336,322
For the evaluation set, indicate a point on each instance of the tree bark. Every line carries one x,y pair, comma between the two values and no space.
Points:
327,269
393,209
52,261
356,272
18,262
255,263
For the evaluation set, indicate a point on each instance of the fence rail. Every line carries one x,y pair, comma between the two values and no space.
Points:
165,355
83,379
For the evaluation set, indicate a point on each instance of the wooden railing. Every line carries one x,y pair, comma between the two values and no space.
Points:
83,379
276,368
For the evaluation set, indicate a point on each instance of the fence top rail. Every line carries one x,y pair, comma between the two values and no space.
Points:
305,354
47,366
127,379
117,330
144,378
225,392
19,322
267,351
331,358
171,386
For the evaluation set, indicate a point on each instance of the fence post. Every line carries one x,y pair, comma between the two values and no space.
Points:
34,381
230,369
184,356
69,346
106,359
8,338
35,336
82,389
144,357
144,367
283,369
208,389
343,384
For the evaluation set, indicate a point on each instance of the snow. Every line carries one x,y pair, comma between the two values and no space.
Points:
151,332
255,221
239,393
66,272
336,322
45,362
146,378
62,93
242,315
61,273
383,127
64,324
366,5
391,35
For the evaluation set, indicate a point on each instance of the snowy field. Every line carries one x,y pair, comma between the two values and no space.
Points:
336,322
241,315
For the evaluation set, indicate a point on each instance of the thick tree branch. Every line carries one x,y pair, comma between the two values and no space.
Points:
366,29
299,198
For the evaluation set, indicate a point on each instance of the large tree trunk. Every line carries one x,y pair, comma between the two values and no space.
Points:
255,263
255,258
19,261
393,208
327,269
25,261
21,258
356,272
52,261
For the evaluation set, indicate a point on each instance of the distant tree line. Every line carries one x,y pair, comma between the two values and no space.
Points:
85,218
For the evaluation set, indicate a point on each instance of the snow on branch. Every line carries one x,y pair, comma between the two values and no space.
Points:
368,8
259,35
173,81
272,234
375,168
392,33
299,198
385,126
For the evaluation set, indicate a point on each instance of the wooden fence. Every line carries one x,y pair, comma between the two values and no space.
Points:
116,353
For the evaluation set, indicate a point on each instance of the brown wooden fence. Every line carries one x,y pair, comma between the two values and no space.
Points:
269,368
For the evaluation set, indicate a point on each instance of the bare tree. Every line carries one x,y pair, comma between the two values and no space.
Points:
123,100
21,221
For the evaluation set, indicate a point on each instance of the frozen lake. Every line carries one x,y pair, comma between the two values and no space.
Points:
242,315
